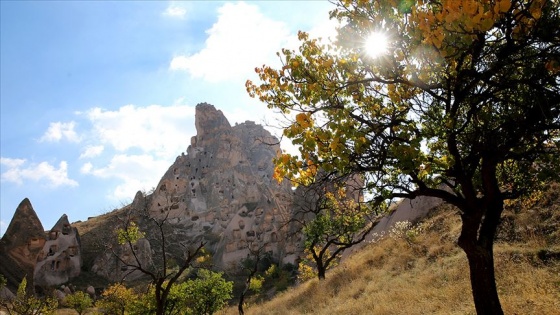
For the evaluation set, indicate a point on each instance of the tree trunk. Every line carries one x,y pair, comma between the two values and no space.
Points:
477,243
321,271
240,305
483,281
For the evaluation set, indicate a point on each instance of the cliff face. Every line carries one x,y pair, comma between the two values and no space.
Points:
220,191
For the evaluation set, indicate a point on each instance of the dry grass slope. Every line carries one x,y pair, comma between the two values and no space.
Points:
426,273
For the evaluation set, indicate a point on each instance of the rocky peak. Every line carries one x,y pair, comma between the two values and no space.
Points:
25,225
209,120
62,225
221,191
20,245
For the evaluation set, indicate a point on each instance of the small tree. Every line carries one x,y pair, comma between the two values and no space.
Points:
116,299
334,222
166,270
208,293
146,302
250,266
79,301
27,304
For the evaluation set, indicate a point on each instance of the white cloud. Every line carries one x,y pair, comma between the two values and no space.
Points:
86,168
137,172
92,151
17,172
161,130
173,10
11,163
144,142
241,39
59,130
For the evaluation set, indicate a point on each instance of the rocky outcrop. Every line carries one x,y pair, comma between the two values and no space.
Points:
221,191
407,210
45,258
20,246
60,258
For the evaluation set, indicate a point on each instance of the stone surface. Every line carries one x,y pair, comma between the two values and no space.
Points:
411,210
20,246
60,258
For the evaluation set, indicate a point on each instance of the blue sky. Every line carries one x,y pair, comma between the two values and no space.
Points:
97,98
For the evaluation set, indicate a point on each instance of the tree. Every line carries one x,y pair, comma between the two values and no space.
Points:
164,269
463,105
117,299
27,304
146,303
250,266
337,222
79,301
208,293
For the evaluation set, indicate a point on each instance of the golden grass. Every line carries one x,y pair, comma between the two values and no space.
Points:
427,274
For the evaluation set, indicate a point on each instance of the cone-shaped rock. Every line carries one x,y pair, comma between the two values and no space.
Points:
20,245
25,225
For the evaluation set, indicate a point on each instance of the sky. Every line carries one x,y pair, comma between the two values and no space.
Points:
97,98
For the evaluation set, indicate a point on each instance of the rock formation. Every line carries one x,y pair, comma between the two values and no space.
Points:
46,259
407,210
20,246
223,189
221,192
60,258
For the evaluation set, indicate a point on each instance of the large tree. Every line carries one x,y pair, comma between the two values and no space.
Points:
463,104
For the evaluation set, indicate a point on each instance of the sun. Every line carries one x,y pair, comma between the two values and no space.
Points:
376,44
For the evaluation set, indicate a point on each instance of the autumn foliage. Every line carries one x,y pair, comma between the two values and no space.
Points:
463,105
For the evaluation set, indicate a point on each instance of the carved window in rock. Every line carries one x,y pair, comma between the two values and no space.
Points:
72,251
53,235
66,229
52,250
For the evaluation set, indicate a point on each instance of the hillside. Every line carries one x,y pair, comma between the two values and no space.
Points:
423,271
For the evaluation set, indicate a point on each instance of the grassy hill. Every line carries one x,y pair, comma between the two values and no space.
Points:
423,271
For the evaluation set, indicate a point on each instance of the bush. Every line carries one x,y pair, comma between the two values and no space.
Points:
79,301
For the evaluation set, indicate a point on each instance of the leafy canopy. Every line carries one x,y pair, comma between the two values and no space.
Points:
457,80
